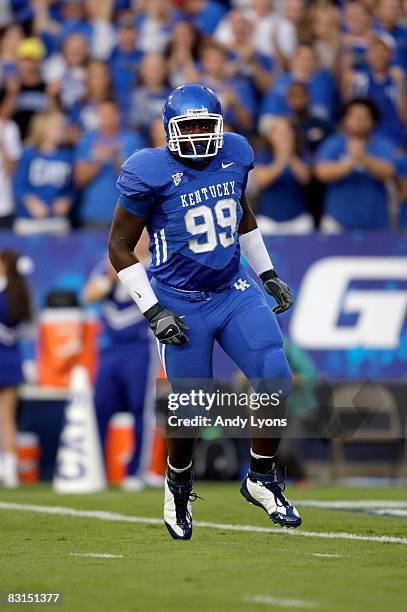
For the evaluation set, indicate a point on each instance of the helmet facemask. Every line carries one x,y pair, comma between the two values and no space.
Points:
195,145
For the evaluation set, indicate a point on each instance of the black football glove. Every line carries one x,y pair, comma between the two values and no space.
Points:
278,289
166,326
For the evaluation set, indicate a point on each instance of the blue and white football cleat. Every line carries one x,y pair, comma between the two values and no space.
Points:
266,491
177,508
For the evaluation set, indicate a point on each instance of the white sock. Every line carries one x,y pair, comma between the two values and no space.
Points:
256,456
179,470
10,473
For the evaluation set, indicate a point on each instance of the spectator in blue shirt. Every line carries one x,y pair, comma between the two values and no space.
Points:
65,72
149,95
21,9
281,173
124,61
43,182
182,54
154,25
327,36
244,60
9,41
384,84
355,165
304,69
273,34
26,92
389,18
358,30
91,19
83,114
69,20
235,93
204,14
99,156
313,130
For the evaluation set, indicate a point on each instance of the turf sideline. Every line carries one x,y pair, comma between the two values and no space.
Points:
123,518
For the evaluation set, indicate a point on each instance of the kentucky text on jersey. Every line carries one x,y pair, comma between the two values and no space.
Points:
219,190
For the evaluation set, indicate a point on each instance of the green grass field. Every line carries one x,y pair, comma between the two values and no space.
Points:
218,570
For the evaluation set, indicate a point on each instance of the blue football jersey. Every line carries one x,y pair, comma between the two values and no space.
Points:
192,214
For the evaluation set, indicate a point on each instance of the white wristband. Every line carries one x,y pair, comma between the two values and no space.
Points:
135,279
255,252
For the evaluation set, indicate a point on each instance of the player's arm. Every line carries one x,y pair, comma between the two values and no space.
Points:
124,235
255,252
98,286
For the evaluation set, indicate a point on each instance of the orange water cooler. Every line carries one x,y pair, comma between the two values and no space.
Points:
28,456
120,447
67,337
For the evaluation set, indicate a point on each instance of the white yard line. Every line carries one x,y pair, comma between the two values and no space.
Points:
381,507
351,504
388,512
307,534
325,555
124,518
97,555
281,603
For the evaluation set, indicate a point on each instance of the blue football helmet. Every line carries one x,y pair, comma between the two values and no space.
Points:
193,102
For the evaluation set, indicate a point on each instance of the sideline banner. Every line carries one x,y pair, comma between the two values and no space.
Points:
350,292
351,301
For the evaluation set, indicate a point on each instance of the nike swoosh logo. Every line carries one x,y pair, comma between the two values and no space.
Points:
170,331
227,165
138,294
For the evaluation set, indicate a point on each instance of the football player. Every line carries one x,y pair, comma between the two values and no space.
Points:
191,197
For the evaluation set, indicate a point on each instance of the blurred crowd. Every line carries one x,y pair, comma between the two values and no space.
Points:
318,87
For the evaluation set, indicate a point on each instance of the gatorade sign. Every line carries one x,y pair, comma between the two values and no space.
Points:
326,293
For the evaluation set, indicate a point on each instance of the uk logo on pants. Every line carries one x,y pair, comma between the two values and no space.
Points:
241,285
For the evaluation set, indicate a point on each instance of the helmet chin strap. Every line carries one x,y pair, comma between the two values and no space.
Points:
201,149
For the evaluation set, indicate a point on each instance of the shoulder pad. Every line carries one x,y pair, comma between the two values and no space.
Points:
149,166
238,147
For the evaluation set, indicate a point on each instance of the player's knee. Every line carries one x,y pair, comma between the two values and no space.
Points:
276,371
